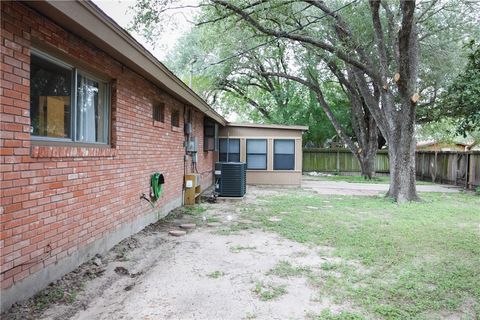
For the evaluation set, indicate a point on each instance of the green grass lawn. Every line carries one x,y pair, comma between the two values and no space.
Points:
359,179
418,260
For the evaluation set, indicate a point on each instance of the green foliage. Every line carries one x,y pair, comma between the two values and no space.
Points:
225,69
238,249
442,56
235,87
216,274
57,294
327,266
269,291
194,210
44,299
455,117
462,99
344,315
285,269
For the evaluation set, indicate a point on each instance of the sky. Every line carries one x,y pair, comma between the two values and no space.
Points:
119,10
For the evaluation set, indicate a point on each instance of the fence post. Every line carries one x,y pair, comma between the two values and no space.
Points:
467,165
338,161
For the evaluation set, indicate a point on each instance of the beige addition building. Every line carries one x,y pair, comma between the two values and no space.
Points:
273,153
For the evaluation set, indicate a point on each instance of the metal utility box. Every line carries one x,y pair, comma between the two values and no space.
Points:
231,179
192,145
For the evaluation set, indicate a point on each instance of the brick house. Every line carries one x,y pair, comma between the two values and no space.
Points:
87,115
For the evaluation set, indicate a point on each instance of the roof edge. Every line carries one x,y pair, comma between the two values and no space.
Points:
110,22
267,126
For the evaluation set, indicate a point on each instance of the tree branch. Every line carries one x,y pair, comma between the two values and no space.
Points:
323,103
379,39
296,37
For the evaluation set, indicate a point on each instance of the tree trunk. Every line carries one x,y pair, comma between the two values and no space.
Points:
365,128
367,164
401,152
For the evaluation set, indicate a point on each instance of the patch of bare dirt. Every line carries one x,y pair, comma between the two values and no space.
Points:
152,275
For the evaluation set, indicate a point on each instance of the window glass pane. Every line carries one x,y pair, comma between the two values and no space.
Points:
175,118
209,143
50,98
256,146
284,162
285,146
233,150
231,157
210,131
223,145
255,161
91,119
234,146
234,157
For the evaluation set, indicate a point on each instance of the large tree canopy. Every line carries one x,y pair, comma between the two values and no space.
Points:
372,49
237,85
461,102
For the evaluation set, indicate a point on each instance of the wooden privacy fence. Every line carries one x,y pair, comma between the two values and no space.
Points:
451,167
339,160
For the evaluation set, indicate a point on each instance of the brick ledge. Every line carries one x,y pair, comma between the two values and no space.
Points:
71,152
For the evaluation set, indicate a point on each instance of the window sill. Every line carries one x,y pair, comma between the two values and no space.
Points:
176,129
158,124
46,151
273,170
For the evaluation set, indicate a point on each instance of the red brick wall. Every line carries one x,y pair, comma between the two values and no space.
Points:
57,200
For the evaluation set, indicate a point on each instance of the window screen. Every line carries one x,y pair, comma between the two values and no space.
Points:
210,135
284,155
159,112
175,118
229,150
257,154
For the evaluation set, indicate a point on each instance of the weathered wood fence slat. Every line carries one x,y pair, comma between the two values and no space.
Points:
451,167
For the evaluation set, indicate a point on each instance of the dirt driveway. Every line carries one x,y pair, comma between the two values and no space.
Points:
216,271
364,189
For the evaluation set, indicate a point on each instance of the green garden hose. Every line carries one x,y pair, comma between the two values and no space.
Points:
156,184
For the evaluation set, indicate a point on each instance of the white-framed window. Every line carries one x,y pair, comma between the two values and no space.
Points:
66,103
284,154
257,154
